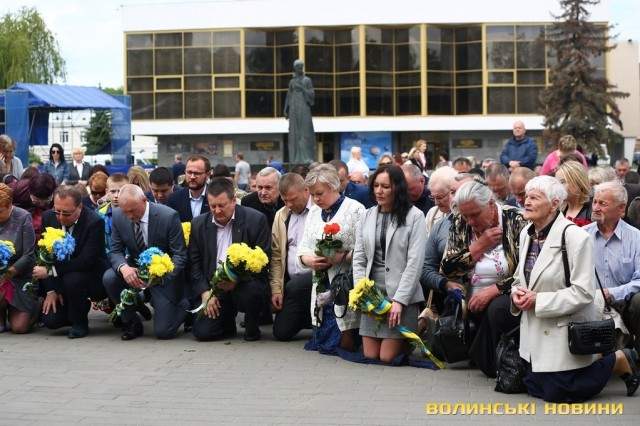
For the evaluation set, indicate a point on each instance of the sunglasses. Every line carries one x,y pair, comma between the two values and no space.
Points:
63,213
55,151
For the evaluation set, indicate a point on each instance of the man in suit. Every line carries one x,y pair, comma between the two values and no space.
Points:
211,236
137,225
419,194
191,201
69,284
290,282
266,199
161,183
80,170
350,189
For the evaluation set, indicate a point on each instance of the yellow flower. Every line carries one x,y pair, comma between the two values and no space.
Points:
257,260
186,230
49,237
237,252
160,266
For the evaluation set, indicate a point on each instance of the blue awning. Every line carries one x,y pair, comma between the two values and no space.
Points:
67,97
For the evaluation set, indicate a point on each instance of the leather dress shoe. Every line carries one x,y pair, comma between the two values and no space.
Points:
132,331
631,380
78,332
252,337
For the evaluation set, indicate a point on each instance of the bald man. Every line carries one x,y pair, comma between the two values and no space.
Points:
80,170
136,226
520,150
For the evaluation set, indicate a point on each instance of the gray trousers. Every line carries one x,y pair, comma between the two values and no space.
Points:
167,315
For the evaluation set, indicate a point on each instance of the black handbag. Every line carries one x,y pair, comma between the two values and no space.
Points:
589,337
340,286
510,368
450,338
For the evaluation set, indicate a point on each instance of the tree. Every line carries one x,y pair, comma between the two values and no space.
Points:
580,101
99,133
29,52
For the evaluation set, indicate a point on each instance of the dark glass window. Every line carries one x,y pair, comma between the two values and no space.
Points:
408,102
281,96
379,79
348,80
440,79
502,100
285,57
286,37
500,55
322,81
464,34
226,60
139,85
529,32
141,106
258,38
379,57
407,35
168,105
323,103
407,57
135,41
259,81
140,62
440,56
199,38
469,79
168,62
259,104
531,77
440,101
469,101
197,83
226,38
197,105
319,59
169,84
469,56
258,60
530,54
226,104
500,33
348,102
407,79
316,36
347,58
197,61
528,99
501,77
439,35
227,82
379,102
168,40
347,36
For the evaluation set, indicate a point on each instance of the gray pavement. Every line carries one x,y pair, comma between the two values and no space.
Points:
46,378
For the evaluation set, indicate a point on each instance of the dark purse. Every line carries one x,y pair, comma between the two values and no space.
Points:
589,337
510,368
450,338
340,286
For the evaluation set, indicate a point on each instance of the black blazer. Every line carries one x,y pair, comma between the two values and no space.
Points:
73,172
89,254
249,226
180,202
252,200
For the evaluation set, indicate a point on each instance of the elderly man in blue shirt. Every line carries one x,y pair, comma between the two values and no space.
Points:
617,253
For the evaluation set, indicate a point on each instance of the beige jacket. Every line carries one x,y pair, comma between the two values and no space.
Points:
278,264
544,340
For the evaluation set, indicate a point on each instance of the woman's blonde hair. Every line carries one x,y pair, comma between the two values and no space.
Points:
6,195
576,176
138,176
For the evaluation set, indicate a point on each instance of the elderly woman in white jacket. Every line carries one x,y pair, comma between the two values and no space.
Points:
330,207
547,305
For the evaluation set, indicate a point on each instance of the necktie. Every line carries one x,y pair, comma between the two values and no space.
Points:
137,233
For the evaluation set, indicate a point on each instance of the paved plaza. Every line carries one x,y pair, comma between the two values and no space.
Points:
46,378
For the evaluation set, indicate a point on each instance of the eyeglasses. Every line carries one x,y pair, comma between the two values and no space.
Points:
55,151
438,197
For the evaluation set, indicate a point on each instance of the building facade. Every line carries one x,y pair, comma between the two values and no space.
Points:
212,78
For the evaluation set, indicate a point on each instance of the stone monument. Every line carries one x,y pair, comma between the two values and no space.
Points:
297,109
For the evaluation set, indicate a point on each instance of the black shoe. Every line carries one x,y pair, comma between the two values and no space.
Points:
78,332
132,331
252,336
144,310
631,380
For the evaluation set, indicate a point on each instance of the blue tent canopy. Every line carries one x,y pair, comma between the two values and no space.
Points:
27,108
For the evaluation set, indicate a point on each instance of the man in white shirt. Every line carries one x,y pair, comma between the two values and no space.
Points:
356,163
290,281
80,170
243,172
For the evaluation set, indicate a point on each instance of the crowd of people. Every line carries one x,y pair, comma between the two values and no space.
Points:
491,234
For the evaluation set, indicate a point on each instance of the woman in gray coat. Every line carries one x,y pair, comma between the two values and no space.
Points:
15,226
390,251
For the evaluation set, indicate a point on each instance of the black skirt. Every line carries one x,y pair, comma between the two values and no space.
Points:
576,385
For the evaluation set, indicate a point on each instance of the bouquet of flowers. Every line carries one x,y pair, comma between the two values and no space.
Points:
368,299
153,265
327,246
242,262
55,245
186,230
7,251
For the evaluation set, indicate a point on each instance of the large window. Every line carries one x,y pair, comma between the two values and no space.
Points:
269,57
393,70
333,63
516,65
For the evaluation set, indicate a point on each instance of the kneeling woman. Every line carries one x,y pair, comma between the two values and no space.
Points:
390,250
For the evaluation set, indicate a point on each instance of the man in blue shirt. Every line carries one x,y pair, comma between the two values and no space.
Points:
617,253
520,150
360,193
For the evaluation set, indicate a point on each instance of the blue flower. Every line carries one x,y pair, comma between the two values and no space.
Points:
5,255
144,259
63,249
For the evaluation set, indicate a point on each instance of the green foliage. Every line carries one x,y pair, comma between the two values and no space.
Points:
29,52
99,132
113,90
34,158
579,101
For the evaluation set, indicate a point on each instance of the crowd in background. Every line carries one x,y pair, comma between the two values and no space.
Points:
489,233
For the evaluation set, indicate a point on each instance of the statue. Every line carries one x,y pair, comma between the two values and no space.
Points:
297,109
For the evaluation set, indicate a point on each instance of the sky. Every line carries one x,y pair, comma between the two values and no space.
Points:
90,33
